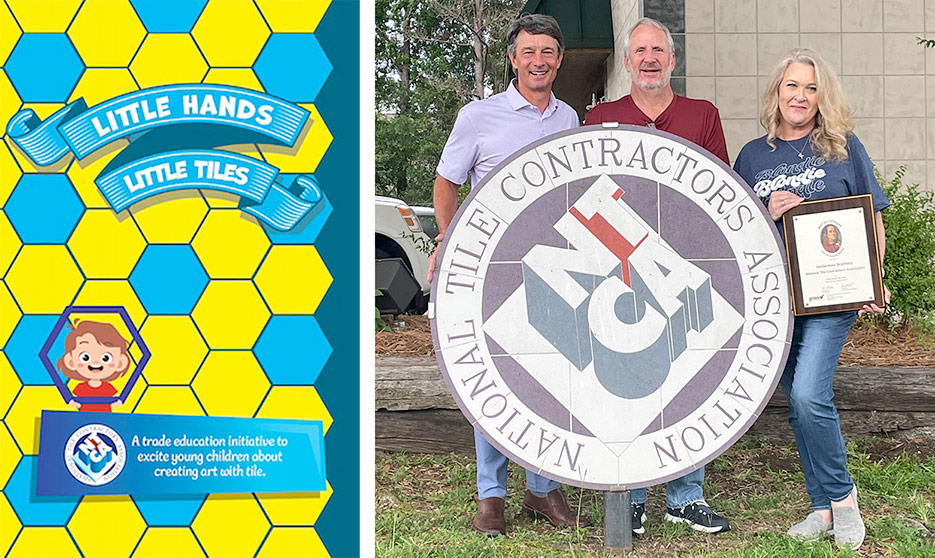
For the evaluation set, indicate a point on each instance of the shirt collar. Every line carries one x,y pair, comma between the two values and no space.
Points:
517,101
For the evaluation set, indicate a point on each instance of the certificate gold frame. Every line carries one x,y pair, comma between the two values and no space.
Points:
834,260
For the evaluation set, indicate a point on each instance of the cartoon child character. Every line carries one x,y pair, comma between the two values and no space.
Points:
95,353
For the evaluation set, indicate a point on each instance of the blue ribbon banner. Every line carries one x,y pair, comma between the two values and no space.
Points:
75,128
104,453
262,195
161,119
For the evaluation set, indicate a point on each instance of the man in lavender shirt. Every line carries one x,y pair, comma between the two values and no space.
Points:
484,134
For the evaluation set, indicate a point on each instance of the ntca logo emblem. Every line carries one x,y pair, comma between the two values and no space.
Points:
612,307
95,454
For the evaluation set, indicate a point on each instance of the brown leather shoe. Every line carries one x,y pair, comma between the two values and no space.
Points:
553,507
489,518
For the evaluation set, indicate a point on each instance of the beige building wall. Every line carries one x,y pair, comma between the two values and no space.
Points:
733,45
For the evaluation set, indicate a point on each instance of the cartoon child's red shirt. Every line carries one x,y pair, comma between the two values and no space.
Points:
103,390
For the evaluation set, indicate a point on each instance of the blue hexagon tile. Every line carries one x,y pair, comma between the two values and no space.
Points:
168,279
169,511
44,208
295,78
276,345
32,509
44,67
169,16
22,348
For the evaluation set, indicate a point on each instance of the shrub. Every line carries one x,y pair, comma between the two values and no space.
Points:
910,254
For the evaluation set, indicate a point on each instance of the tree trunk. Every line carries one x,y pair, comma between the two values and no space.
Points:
479,56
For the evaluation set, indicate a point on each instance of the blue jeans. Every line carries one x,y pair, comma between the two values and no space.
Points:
679,492
491,473
807,381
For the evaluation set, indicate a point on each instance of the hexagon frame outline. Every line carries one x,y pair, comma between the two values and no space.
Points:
63,389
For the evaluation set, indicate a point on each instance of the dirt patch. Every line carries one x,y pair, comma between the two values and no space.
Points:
917,449
866,345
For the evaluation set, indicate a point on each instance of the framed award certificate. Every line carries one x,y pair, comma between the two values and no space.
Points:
834,263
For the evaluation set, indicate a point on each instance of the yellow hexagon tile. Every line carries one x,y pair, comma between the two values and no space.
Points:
223,370
106,245
157,539
139,388
309,149
230,525
9,314
106,292
9,456
222,200
177,349
230,244
295,402
10,172
9,243
43,279
48,16
170,218
22,417
293,16
9,99
213,34
293,279
124,526
101,84
9,33
241,77
82,174
230,314
106,32
169,400
9,384
9,525
294,508
293,542
44,542
149,66
44,110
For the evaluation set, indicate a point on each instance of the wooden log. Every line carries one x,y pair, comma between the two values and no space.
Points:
428,431
445,430
773,424
410,383
404,383
415,412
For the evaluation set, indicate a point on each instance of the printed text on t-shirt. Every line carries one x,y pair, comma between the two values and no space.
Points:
803,179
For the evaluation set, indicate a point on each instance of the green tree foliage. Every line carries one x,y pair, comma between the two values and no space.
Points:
910,253
432,57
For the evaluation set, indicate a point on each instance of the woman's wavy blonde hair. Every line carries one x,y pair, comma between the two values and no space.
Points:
833,120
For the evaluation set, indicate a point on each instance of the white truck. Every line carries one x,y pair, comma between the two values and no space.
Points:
399,234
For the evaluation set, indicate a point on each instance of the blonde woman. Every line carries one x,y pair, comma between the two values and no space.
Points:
810,153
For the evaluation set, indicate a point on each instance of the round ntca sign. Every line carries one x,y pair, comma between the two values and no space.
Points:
612,307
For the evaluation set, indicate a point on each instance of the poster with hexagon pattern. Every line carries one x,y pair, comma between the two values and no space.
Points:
186,173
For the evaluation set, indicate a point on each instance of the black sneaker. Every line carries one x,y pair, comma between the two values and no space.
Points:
639,516
700,516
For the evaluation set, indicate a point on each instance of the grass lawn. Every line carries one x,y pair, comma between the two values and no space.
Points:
424,506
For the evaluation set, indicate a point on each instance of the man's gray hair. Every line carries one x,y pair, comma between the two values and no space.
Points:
534,24
652,23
